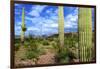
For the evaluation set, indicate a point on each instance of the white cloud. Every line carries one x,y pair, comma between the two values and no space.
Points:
68,26
54,17
51,25
47,25
35,20
34,13
53,14
28,18
56,11
18,23
44,22
49,11
33,28
71,17
49,31
17,32
17,4
54,25
71,20
17,28
36,10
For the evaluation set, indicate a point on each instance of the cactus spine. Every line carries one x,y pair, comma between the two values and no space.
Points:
23,28
61,25
85,34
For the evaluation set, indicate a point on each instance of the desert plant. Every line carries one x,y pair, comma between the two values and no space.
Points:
17,46
62,55
23,27
34,50
85,34
61,25
45,42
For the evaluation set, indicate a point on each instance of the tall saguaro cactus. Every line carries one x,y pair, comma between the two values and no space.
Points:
23,27
61,25
85,34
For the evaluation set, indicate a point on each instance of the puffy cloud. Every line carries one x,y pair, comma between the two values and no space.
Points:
17,4
51,25
18,24
32,28
36,10
17,30
71,20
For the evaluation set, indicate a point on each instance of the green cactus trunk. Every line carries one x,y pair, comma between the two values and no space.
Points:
23,28
61,25
85,34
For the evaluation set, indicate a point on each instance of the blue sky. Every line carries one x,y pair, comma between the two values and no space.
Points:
43,19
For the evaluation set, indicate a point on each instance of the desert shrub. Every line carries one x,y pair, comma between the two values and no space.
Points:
32,53
34,50
17,40
55,46
45,42
17,46
72,44
50,39
62,55
70,41
26,43
73,54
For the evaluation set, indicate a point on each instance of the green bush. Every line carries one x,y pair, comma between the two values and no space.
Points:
45,42
17,46
50,39
34,50
31,55
70,41
55,46
62,55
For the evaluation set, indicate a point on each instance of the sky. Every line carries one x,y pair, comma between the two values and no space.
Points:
43,19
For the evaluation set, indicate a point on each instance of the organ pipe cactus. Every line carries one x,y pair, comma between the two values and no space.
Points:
61,25
23,27
85,34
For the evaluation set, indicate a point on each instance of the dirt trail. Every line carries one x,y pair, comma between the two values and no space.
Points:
47,58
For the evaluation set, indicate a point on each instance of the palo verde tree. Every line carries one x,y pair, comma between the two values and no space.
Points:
23,27
85,34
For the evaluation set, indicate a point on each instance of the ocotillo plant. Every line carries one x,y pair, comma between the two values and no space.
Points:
23,27
61,25
85,34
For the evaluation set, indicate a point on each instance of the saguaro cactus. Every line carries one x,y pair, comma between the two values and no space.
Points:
23,27
61,25
85,34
